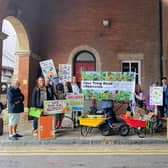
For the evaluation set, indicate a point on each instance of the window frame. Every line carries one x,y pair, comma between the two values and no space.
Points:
139,67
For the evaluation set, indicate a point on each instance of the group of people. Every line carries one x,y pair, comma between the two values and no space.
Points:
139,99
44,90
108,105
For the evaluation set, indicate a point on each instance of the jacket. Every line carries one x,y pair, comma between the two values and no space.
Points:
36,98
166,97
14,95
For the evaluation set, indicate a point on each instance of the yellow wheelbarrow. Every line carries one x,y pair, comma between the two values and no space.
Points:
88,124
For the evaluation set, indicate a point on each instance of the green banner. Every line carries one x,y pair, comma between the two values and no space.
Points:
108,85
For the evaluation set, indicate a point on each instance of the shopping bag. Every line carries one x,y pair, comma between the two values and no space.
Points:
35,112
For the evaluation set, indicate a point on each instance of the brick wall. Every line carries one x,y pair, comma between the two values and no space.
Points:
134,29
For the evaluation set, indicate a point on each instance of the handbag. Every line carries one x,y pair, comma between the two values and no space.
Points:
35,112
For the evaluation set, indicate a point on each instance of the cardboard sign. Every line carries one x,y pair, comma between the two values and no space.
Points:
46,127
156,96
56,106
48,68
65,72
76,101
108,85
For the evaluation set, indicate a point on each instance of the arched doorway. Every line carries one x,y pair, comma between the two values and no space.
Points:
22,54
83,61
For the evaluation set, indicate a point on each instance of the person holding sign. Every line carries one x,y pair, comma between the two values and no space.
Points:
74,88
150,107
49,88
39,94
60,95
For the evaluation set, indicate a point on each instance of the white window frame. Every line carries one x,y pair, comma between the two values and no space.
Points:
139,67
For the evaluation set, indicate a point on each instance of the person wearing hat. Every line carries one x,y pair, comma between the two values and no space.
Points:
164,108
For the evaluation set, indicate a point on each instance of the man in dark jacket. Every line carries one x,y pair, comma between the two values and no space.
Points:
164,108
15,107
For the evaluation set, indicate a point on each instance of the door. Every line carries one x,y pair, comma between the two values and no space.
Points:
84,61
79,67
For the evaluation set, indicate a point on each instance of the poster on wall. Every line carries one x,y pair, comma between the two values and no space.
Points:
156,96
65,72
75,101
56,106
108,85
48,68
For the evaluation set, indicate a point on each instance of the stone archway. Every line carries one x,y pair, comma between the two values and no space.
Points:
22,55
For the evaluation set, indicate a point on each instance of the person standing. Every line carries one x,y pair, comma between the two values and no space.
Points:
39,95
107,108
49,88
60,95
15,107
151,108
74,88
164,108
138,102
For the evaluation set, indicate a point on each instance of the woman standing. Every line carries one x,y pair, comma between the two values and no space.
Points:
74,88
39,95
150,107
138,102
139,96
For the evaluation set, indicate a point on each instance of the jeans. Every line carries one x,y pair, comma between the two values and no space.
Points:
109,113
35,123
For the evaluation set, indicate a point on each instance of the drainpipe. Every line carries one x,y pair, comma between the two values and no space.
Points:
161,36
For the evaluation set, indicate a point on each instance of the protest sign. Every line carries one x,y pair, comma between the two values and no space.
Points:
76,101
156,96
56,106
108,85
65,72
48,68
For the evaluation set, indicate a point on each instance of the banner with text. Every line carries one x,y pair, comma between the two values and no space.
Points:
108,85
75,101
48,68
156,96
56,106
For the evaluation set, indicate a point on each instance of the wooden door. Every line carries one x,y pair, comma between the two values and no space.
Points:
79,67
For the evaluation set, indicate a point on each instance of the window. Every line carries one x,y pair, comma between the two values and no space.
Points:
132,66
84,56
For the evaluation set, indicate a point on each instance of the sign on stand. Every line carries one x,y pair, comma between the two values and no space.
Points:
56,106
75,101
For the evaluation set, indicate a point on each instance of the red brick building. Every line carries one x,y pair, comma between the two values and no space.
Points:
97,35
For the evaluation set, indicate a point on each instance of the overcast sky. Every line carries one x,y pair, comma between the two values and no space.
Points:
9,44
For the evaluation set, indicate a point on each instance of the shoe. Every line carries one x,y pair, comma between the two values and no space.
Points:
18,135
35,133
13,138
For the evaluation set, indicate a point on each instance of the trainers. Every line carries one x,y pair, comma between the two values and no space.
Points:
35,133
18,135
13,138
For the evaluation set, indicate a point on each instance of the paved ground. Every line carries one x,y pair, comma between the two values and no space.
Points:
82,161
73,136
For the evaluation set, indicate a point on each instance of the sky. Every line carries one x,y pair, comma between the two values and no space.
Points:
9,45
